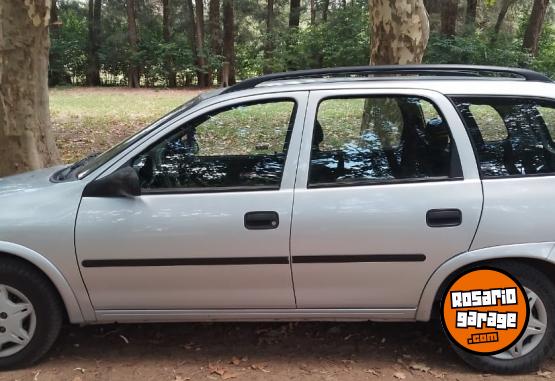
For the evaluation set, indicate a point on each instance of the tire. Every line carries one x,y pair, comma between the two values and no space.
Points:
22,283
535,281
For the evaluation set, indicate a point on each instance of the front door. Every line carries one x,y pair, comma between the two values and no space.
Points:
211,228
386,192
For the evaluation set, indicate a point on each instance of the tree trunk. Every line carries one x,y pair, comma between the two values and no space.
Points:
312,12
133,69
199,35
325,8
449,10
471,8
294,13
399,34
269,43
535,25
26,137
190,32
166,35
505,5
56,73
93,65
229,43
215,33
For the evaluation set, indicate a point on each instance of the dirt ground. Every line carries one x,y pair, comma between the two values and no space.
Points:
255,351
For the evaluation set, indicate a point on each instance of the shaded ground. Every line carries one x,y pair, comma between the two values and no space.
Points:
87,120
254,351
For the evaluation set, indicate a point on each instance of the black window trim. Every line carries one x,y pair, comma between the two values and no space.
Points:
228,189
370,182
452,97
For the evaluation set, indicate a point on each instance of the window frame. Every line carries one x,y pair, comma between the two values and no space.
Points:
224,189
300,97
369,182
453,97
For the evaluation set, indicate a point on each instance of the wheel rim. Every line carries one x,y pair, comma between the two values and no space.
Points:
17,321
534,332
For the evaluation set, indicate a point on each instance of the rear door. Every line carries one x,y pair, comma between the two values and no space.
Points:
386,191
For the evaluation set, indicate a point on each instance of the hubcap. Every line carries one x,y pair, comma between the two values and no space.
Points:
534,332
17,321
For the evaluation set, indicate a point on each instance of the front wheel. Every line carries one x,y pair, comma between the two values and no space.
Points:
30,314
538,341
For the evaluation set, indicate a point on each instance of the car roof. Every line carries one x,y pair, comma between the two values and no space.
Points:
446,86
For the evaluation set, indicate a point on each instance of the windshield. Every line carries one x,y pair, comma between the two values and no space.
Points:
83,167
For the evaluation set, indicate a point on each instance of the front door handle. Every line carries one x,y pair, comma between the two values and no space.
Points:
261,220
438,218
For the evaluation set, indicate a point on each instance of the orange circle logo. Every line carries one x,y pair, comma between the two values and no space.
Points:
485,311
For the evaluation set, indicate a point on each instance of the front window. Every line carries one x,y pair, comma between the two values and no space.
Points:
241,147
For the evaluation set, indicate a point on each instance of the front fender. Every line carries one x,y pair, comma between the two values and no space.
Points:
68,297
543,251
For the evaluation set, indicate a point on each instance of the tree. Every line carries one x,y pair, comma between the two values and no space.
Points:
190,32
399,36
201,53
471,8
294,13
56,74
269,42
132,37
25,131
399,33
535,25
166,35
94,22
228,76
215,33
325,8
449,11
505,5
312,12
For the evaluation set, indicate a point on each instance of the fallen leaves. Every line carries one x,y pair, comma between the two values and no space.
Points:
419,367
260,368
374,372
399,375
544,373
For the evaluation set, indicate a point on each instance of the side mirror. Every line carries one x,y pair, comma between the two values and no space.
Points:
122,183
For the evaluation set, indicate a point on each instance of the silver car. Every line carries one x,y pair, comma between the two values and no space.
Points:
334,194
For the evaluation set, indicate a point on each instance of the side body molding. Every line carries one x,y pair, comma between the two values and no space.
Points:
544,251
68,297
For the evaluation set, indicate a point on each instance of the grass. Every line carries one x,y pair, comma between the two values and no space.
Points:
90,120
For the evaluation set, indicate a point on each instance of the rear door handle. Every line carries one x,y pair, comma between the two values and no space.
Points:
261,220
438,218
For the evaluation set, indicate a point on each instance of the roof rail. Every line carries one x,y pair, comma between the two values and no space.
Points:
439,70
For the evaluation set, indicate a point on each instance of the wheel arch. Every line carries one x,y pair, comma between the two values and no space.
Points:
542,254
26,255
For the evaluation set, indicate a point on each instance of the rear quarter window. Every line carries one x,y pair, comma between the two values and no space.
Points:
511,136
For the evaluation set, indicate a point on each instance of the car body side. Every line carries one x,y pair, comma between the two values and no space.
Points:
38,217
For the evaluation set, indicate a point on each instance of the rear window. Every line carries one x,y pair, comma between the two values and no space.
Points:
511,136
380,139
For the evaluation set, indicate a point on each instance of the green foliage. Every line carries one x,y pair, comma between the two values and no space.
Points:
477,48
68,48
341,40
